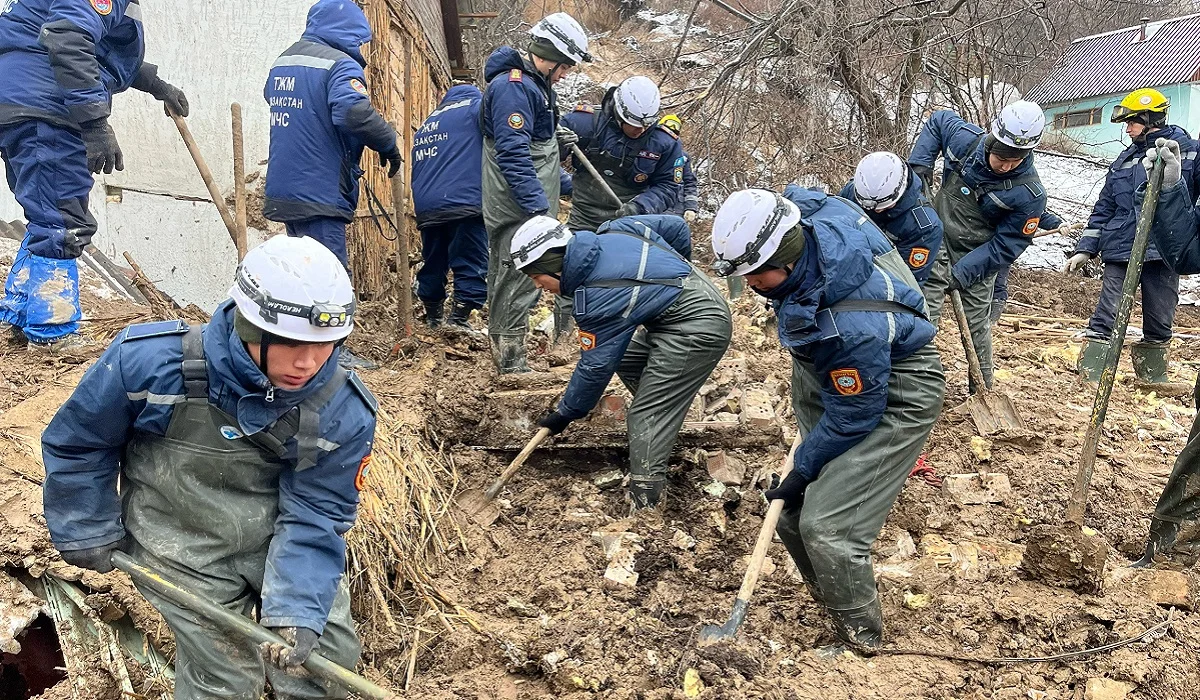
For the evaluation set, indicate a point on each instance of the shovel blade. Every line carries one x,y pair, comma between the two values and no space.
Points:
715,634
478,506
993,412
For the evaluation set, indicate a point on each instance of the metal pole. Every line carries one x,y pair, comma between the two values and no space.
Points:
244,626
1133,275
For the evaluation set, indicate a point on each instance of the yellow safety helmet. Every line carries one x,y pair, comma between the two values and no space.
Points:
672,122
1148,102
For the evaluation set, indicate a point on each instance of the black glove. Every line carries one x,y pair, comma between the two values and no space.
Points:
555,421
645,494
392,160
791,490
95,558
955,285
173,99
290,659
925,173
628,209
103,153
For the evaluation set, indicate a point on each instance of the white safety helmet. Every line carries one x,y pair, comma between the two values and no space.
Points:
535,237
748,229
1020,125
567,35
636,101
880,181
295,288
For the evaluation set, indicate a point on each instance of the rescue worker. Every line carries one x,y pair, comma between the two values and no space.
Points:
64,59
521,167
893,196
229,457
321,119
990,203
1175,233
640,160
867,383
447,166
1109,234
645,313
688,204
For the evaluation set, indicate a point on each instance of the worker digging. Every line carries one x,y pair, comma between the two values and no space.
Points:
226,466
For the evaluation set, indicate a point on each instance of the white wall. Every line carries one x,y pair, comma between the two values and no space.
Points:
218,53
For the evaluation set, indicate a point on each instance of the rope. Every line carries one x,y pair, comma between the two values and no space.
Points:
1149,634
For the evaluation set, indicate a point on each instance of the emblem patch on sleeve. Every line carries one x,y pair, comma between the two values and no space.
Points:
587,341
1030,226
846,381
514,75
918,257
585,108
641,177
358,86
364,468
678,175
516,121
102,7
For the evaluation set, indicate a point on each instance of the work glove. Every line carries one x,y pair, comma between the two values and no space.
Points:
791,490
627,209
555,421
173,99
1172,163
103,152
566,138
925,173
645,493
392,160
96,558
290,658
1076,262
689,216
955,284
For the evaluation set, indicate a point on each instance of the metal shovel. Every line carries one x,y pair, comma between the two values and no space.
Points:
480,505
992,411
243,626
711,634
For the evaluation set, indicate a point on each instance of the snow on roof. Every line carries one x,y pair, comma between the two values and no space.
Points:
1120,61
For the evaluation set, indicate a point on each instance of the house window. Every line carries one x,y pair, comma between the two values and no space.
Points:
1085,117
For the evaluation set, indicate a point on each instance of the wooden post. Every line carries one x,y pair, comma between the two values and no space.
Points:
404,320
205,174
239,182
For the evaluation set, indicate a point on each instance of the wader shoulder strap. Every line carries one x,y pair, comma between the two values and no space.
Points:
308,438
195,368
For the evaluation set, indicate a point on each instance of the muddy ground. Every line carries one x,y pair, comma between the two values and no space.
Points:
550,625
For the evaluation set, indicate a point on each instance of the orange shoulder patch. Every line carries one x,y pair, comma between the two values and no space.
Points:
585,107
1031,226
364,468
514,75
846,381
917,257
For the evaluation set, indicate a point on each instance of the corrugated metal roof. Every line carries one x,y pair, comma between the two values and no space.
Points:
1119,61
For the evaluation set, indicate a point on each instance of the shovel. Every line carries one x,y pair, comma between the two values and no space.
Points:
712,634
992,411
244,627
480,505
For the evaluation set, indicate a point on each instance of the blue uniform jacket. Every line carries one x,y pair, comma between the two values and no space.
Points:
447,160
1111,227
912,225
129,390
1012,212
655,157
672,229
518,109
1176,227
321,118
689,196
608,316
63,60
851,351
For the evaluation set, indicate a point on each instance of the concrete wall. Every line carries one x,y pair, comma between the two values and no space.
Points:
218,53
1106,140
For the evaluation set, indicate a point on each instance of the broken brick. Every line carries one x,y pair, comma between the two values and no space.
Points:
726,468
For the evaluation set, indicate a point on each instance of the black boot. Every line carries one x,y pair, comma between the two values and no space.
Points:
433,314
1161,539
645,492
861,627
460,315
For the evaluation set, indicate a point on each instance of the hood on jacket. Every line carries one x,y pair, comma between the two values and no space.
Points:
460,92
238,374
583,250
340,24
845,259
503,60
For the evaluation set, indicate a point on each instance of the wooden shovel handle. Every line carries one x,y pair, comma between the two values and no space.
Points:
587,164
964,331
767,532
206,175
516,464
